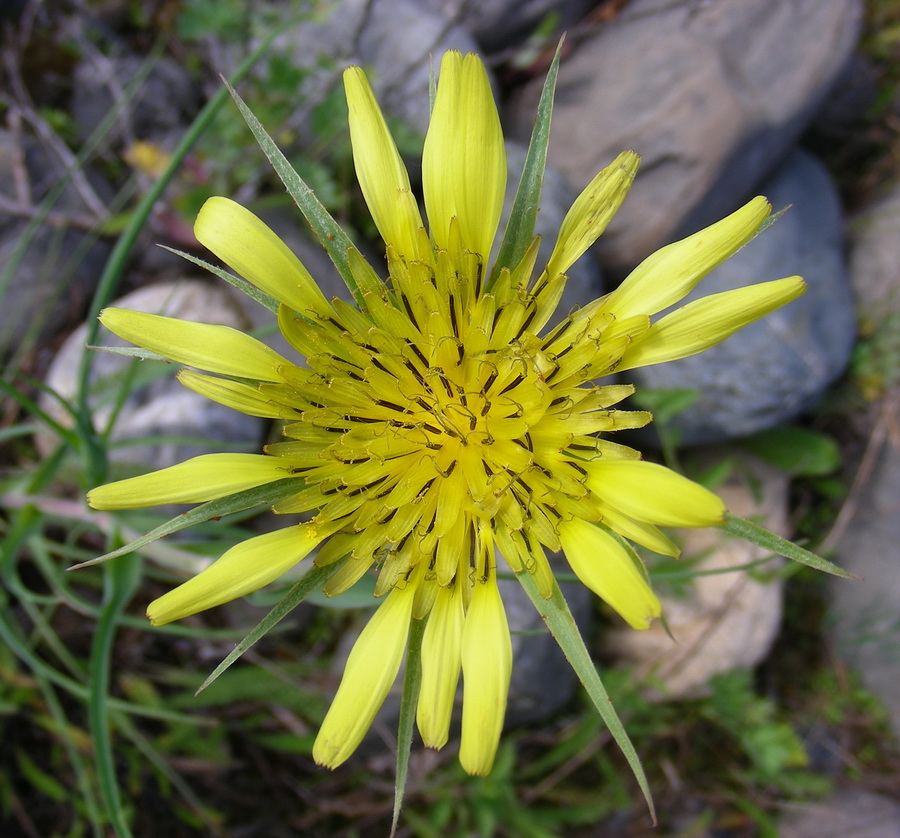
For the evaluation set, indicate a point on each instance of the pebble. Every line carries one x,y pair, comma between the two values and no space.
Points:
161,107
395,41
874,254
865,612
499,24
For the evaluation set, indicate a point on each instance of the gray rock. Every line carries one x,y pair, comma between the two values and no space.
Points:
712,95
46,277
497,24
557,196
160,407
866,612
874,256
779,366
394,40
727,620
855,812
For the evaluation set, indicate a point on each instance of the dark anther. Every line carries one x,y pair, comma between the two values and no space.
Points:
453,322
526,324
514,383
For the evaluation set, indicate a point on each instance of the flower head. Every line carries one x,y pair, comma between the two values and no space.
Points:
445,418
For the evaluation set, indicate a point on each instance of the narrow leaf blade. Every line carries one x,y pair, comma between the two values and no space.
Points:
412,683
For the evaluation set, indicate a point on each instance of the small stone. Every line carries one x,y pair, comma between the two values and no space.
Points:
162,407
711,95
776,368
727,620
849,812
395,40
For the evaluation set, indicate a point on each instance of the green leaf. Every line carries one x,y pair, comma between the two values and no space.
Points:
556,614
312,579
761,537
412,683
238,502
327,230
798,451
520,228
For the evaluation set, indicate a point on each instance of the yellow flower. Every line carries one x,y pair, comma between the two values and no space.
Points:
442,421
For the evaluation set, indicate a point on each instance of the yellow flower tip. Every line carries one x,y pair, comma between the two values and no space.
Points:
153,614
487,667
368,676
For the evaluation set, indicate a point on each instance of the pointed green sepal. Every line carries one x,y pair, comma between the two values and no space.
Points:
520,229
264,495
314,578
412,683
332,236
761,537
555,613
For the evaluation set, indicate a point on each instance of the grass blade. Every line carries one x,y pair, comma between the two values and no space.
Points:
121,582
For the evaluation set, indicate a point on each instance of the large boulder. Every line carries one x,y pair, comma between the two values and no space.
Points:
711,95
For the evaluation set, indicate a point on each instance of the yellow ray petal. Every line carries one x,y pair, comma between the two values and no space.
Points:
666,276
654,494
218,349
243,397
464,160
592,211
440,666
380,170
708,321
639,532
371,670
198,480
249,247
487,666
245,568
607,568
